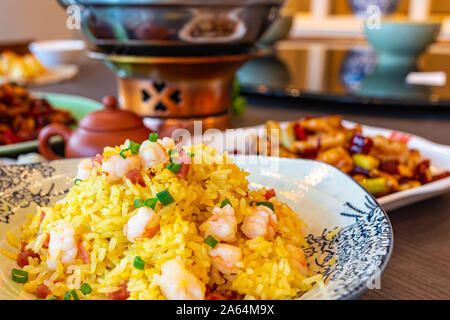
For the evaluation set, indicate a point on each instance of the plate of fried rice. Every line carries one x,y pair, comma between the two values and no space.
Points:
157,220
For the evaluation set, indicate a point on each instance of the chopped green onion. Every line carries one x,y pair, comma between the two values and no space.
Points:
263,203
38,299
175,167
191,154
122,153
171,151
85,288
67,295
267,204
19,276
165,197
77,182
139,263
210,241
151,203
225,202
153,137
53,298
74,295
134,147
138,203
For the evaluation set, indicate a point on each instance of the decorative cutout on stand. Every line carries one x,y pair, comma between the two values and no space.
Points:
176,97
145,95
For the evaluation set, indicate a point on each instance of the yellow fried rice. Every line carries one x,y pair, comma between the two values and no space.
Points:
98,211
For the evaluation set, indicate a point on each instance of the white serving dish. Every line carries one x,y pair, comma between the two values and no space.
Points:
438,154
324,197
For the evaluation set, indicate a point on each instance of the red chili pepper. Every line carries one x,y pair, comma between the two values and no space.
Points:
270,194
300,133
389,166
420,173
310,153
360,144
9,137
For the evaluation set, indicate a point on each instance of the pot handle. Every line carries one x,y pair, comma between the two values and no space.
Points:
50,131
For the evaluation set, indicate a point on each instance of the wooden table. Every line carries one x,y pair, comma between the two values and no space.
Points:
420,266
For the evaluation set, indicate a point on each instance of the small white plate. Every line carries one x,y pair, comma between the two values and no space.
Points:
52,76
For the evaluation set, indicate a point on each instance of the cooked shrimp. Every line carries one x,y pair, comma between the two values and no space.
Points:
144,224
152,153
167,143
320,141
222,224
116,168
225,258
388,149
261,222
337,157
297,258
63,245
177,283
84,169
324,124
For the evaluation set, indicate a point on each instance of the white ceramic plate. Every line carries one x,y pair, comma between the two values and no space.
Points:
52,76
324,197
438,154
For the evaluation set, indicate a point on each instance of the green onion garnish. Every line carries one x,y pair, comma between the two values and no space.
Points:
122,153
225,202
210,241
77,182
53,298
263,203
74,295
171,151
67,295
151,203
175,167
134,147
138,203
139,263
153,137
165,197
19,276
191,154
85,288
267,204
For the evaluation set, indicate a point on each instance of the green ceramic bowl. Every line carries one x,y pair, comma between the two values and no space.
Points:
400,43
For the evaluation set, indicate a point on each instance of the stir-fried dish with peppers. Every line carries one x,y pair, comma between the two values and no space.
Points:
23,115
381,165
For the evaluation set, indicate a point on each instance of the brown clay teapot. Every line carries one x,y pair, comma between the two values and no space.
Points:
108,127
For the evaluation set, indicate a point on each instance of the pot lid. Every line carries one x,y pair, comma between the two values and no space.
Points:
111,118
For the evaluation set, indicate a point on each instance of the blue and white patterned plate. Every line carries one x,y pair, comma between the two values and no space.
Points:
324,197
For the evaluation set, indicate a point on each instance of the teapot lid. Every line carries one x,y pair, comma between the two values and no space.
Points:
111,118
